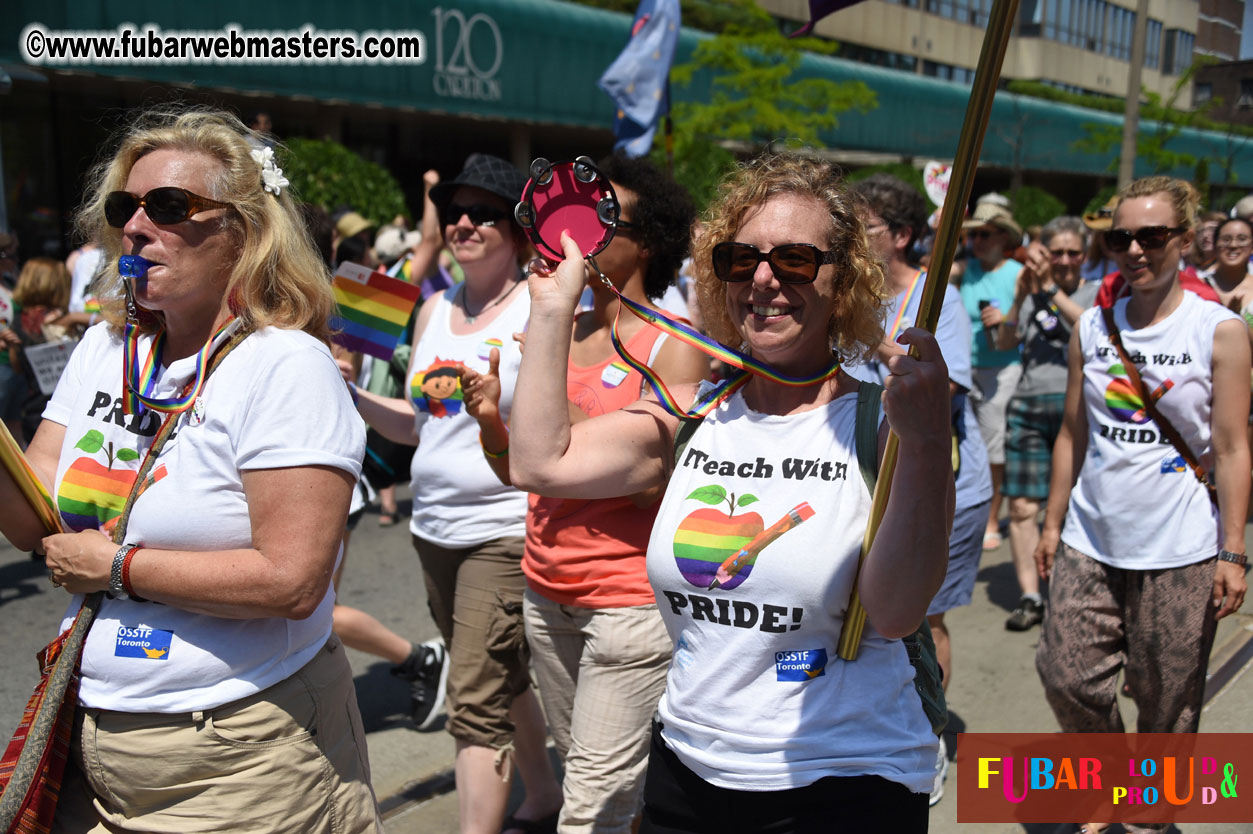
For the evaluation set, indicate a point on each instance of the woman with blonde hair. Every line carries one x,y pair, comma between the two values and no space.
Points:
221,459
1154,417
762,726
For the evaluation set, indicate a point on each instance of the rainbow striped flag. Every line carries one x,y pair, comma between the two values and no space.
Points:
373,310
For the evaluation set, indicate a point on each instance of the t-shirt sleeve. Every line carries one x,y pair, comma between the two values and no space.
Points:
299,413
60,406
953,334
1085,295
1026,313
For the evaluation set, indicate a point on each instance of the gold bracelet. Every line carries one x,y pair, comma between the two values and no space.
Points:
491,454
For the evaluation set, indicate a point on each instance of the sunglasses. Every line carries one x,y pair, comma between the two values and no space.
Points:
1058,254
980,234
164,206
791,263
1149,237
479,214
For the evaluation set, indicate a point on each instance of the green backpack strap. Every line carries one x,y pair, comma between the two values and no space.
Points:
928,676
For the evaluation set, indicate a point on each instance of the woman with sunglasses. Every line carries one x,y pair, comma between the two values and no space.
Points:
1146,563
214,696
468,528
762,726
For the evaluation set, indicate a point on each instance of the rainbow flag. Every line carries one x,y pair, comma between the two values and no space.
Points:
373,310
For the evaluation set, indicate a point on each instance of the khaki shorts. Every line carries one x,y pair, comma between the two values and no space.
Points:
290,759
475,595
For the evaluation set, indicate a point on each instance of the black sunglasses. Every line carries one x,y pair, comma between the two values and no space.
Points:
164,206
1149,237
479,214
791,263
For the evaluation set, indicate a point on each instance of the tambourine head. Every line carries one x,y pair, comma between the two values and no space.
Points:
567,196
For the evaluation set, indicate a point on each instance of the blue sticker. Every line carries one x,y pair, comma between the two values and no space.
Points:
143,642
1175,464
800,666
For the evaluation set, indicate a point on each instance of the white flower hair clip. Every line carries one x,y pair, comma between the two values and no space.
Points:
272,178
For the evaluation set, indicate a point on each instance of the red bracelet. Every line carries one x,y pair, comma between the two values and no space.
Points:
126,575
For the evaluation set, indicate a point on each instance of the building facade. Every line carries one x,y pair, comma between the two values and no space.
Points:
1079,45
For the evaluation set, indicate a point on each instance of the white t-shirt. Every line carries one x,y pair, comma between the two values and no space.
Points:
1136,504
457,500
756,697
277,400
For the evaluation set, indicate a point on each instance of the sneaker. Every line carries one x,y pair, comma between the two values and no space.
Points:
426,669
941,772
1028,613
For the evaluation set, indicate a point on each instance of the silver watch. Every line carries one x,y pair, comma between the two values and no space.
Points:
117,590
1234,558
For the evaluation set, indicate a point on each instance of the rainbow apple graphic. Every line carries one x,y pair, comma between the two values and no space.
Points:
706,537
91,495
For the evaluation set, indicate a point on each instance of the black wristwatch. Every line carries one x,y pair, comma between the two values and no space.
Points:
1235,558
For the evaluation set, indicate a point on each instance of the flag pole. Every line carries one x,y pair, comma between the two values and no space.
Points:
28,483
965,162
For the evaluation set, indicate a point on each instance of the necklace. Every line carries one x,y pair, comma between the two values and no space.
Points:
465,302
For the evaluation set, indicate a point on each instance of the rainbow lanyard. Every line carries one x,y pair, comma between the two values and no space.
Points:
136,399
900,313
746,364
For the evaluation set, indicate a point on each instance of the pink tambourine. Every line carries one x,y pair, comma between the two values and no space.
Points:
573,196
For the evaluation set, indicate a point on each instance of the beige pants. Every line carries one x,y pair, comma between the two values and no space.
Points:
291,758
600,673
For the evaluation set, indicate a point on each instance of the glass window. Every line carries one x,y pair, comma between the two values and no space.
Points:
1153,45
1203,92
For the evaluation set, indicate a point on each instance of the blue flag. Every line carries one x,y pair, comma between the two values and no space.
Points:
637,80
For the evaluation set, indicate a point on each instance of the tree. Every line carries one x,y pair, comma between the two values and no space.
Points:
329,175
753,99
1153,146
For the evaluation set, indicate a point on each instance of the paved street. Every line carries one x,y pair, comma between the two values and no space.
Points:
994,686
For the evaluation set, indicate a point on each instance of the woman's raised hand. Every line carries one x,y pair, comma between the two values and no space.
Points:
558,287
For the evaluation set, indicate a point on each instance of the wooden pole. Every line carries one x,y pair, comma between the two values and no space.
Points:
965,162
1131,110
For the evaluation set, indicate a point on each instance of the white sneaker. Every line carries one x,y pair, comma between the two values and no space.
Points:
941,771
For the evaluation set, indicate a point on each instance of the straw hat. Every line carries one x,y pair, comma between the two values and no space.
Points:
352,224
1102,220
992,214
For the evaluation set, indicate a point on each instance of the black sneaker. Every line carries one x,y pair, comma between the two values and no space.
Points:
1028,613
426,669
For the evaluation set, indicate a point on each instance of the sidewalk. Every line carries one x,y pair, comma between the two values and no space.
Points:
994,689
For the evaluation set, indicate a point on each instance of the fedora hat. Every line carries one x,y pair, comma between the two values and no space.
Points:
991,214
490,173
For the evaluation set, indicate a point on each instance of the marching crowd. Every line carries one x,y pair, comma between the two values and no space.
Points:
591,551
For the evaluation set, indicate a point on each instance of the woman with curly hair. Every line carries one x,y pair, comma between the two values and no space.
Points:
598,642
214,696
762,726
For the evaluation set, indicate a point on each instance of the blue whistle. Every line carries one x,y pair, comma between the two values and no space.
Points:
133,266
